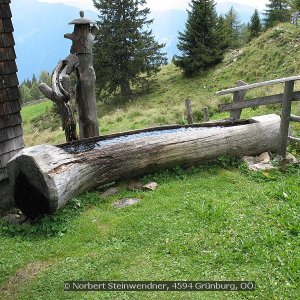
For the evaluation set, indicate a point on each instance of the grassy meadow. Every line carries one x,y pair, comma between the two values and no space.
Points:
217,221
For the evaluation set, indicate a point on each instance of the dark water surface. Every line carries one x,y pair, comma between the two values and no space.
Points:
77,148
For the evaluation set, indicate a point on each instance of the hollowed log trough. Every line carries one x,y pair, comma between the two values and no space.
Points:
43,178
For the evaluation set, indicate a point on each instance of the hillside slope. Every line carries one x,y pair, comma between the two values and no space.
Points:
274,54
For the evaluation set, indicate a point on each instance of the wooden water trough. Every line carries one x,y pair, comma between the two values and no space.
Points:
43,178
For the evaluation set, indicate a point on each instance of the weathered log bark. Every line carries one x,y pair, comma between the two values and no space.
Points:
59,93
81,61
82,46
85,97
44,178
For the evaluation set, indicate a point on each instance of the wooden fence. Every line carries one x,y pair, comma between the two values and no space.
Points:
289,95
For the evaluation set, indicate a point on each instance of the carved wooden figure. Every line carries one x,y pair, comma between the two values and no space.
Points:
81,61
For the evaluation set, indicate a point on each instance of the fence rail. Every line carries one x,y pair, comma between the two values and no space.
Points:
286,99
258,84
266,100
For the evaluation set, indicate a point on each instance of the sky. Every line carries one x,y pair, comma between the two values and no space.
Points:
155,5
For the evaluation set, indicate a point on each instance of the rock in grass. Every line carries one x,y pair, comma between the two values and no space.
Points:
292,159
264,158
108,193
260,163
152,186
261,167
15,218
126,202
135,185
249,160
263,162
12,219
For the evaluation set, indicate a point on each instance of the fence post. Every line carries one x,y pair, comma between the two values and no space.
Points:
285,117
188,105
238,97
206,114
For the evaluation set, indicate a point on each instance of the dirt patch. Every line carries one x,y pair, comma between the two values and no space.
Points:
23,276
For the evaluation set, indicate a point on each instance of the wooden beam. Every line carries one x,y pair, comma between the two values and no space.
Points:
266,100
285,117
256,85
295,118
293,139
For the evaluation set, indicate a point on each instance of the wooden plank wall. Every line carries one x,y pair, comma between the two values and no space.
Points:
11,134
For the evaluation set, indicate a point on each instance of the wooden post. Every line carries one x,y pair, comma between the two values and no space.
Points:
81,61
285,117
85,97
238,97
83,39
189,112
206,114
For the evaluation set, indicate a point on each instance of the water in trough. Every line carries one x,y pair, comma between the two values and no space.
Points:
88,146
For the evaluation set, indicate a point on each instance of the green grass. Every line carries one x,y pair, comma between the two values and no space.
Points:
205,223
32,111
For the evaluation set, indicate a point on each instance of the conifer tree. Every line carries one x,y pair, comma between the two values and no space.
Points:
199,44
277,11
25,93
295,4
125,50
223,31
255,25
33,80
232,19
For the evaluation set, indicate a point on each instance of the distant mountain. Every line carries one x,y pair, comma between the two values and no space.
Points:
39,34
40,28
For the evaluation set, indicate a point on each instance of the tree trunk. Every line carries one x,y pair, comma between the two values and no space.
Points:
125,89
44,178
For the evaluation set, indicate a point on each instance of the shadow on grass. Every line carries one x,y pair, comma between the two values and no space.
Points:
59,224
55,225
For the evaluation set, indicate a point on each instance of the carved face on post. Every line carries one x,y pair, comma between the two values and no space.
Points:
83,36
